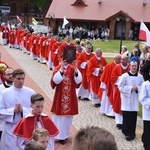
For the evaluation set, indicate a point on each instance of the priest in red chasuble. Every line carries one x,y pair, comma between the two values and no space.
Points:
82,63
115,77
105,91
66,78
94,70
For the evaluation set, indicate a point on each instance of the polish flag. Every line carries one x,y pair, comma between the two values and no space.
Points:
144,32
19,19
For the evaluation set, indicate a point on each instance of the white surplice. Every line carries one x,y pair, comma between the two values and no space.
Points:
130,98
144,98
8,99
106,107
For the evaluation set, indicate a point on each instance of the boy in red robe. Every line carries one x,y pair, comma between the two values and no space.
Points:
34,120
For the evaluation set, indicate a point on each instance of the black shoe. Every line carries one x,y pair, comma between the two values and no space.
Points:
79,97
129,138
86,99
97,105
62,141
119,126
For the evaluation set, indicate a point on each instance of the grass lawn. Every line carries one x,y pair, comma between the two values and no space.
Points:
113,45
109,59
140,111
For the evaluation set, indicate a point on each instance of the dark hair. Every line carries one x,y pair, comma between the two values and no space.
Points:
17,72
36,97
94,138
33,145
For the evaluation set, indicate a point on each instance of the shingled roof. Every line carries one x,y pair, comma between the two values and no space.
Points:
92,10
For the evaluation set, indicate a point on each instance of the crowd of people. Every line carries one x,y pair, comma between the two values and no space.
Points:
99,33
116,88
84,33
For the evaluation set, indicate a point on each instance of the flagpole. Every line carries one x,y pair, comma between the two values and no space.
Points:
138,44
120,42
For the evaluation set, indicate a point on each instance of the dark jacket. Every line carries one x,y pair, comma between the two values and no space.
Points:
145,70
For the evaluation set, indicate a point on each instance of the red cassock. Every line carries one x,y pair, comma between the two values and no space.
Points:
53,40
31,41
116,72
47,42
105,78
18,33
5,32
65,100
54,54
43,48
27,41
47,48
33,46
92,65
27,125
22,38
40,48
37,45
77,55
83,57
12,37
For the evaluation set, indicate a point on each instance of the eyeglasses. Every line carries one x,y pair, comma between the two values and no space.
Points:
9,74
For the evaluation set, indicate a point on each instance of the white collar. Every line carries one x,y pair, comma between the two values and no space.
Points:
87,53
98,58
125,67
31,115
66,66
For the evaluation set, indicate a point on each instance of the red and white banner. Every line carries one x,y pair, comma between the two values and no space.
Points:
19,19
143,32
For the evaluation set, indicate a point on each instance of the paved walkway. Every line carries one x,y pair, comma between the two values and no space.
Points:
38,77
